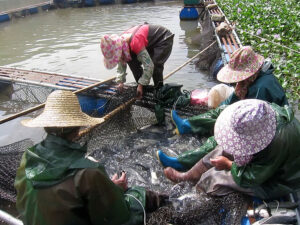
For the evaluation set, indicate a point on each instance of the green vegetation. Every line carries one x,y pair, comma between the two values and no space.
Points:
274,20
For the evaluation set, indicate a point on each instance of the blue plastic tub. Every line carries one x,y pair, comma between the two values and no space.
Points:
91,105
129,1
189,13
33,10
89,3
4,17
106,2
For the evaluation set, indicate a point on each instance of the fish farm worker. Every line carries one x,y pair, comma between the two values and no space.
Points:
254,79
57,184
257,153
145,48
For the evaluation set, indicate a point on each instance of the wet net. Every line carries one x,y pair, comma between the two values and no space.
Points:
128,141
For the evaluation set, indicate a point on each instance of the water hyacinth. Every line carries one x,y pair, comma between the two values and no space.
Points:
274,21
258,32
276,36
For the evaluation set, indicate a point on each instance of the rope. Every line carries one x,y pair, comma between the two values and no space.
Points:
264,39
141,205
184,64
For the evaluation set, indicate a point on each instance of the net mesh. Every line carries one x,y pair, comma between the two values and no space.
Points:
128,141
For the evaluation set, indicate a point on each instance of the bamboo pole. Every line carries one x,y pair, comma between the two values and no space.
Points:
184,64
106,117
42,105
9,219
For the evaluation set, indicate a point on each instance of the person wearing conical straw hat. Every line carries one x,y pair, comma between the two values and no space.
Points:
257,153
145,48
56,184
254,79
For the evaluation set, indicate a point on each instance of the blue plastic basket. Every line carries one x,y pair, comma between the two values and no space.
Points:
92,106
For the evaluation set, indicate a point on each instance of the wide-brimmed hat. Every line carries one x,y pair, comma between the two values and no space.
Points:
245,127
62,109
111,47
244,63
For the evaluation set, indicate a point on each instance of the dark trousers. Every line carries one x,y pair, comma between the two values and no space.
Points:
159,55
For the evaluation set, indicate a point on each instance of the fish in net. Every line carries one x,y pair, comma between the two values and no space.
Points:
129,141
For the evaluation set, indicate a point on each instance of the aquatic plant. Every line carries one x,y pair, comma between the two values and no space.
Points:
268,26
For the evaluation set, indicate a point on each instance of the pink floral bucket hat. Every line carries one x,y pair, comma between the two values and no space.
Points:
245,128
244,63
111,47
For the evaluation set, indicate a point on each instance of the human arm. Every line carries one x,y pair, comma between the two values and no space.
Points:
148,66
121,73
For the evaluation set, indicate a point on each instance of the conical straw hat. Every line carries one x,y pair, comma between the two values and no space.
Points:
62,109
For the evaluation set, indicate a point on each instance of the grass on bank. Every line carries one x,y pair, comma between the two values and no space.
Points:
274,20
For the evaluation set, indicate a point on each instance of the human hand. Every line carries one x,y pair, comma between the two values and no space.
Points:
139,91
120,87
221,163
120,181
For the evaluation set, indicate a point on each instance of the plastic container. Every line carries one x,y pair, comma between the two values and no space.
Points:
129,1
106,2
33,10
4,17
199,97
92,106
89,3
191,2
189,13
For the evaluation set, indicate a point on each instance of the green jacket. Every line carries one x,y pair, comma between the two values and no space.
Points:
56,184
266,87
275,171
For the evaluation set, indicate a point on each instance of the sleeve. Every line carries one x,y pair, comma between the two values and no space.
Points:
148,65
121,72
104,200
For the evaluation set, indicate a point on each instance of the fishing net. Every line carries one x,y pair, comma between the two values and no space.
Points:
128,141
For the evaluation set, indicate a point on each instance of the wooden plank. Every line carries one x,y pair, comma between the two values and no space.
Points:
234,41
230,44
226,47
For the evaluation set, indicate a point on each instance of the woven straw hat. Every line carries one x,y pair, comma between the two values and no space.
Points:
245,127
244,63
62,109
111,47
